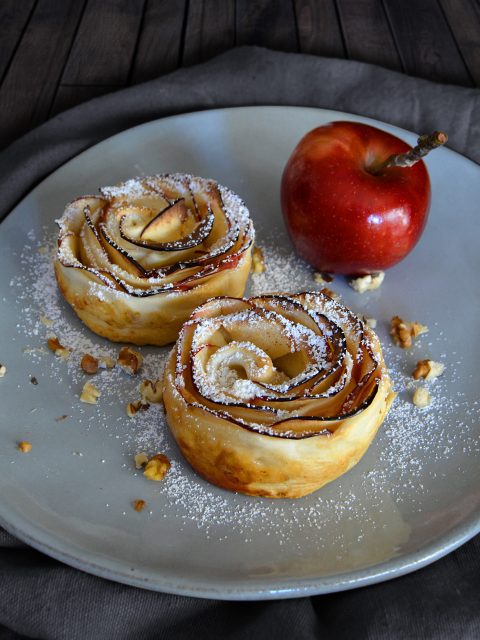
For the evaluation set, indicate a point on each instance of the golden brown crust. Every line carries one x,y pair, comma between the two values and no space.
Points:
136,261
242,447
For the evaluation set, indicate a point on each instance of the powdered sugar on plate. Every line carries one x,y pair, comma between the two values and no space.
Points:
392,471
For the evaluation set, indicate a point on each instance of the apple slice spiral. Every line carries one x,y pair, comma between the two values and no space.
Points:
275,395
136,260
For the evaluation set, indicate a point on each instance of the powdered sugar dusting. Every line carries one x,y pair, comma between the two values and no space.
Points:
392,472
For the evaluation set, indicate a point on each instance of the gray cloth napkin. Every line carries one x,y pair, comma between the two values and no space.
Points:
42,598
246,76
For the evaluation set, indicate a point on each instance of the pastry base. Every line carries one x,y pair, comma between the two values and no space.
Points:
235,458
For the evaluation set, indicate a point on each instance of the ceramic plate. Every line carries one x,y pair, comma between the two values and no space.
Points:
415,495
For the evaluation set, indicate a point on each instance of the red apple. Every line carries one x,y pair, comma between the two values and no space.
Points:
345,213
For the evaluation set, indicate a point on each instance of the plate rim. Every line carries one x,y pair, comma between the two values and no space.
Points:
300,588
289,587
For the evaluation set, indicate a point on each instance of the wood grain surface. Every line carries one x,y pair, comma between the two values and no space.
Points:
55,54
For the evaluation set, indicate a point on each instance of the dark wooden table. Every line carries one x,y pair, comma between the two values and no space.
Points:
57,53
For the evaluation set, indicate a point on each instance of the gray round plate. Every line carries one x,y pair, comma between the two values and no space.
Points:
414,496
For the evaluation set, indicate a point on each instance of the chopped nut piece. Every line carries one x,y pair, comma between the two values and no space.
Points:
367,283
60,418
322,278
402,331
89,364
422,397
105,362
151,391
436,370
3,370
417,329
428,370
33,380
135,407
141,460
132,408
421,370
24,446
138,505
331,294
59,350
157,467
129,360
90,394
258,260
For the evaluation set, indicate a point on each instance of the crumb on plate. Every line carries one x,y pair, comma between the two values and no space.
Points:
58,349
428,370
403,332
151,392
129,360
139,505
141,460
89,364
157,467
422,397
369,282
90,393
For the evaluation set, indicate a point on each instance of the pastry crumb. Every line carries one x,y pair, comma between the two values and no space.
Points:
89,364
422,398
60,418
129,360
24,446
428,370
157,467
139,505
58,349
3,370
90,394
403,332
258,261
369,282
141,460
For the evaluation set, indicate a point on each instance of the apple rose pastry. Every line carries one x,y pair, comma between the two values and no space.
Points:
275,395
136,260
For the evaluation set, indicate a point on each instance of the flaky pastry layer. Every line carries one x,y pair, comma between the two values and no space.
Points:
136,260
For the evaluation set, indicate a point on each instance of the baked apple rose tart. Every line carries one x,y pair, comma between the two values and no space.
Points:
136,260
275,395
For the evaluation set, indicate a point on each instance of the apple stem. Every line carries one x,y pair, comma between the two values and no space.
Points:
425,144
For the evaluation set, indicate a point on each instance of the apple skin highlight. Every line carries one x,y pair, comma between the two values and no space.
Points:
343,216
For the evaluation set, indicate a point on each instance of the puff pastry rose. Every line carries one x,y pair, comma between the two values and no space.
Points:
136,260
275,395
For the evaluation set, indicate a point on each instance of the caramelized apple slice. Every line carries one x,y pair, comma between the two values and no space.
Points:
118,256
168,225
291,363
194,237
172,229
